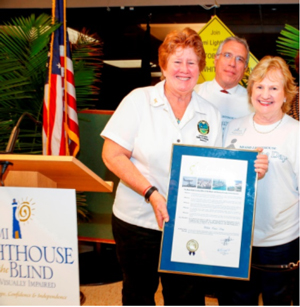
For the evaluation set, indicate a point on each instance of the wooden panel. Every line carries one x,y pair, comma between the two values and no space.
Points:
28,179
66,171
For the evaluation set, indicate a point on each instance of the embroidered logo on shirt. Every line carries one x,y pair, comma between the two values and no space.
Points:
203,127
202,138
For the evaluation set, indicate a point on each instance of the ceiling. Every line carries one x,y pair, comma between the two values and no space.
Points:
131,3
122,29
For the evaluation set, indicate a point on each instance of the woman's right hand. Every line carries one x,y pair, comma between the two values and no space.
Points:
117,159
159,205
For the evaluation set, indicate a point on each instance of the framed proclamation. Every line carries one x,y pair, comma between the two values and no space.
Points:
211,204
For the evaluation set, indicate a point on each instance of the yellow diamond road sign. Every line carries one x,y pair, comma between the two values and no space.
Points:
212,35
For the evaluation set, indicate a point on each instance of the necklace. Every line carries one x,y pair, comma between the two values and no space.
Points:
265,132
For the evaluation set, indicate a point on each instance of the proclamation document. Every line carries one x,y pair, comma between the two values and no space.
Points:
209,211
211,204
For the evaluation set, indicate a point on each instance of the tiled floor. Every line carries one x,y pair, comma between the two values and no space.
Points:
103,295
110,295
106,292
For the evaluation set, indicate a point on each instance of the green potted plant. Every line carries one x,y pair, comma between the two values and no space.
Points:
24,47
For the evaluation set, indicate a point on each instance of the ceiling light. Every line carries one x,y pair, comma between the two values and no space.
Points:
124,63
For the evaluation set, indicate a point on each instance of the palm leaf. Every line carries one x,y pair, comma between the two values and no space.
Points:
292,33
23,56
288,44
86,54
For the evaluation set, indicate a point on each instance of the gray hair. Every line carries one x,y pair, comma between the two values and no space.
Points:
238,40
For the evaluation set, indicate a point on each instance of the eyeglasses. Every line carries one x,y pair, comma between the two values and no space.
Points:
228,56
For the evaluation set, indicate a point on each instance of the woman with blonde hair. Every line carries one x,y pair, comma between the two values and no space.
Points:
271,90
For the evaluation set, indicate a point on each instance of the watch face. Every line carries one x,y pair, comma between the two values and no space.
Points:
192,245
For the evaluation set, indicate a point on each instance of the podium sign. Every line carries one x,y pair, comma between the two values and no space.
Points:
38,247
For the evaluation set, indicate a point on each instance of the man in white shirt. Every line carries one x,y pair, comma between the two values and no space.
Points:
230,98
224,92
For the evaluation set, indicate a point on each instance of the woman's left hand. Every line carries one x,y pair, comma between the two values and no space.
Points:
261,164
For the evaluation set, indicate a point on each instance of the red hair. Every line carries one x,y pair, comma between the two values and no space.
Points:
185,38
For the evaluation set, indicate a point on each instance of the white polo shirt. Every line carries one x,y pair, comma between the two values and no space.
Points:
231,106
144,124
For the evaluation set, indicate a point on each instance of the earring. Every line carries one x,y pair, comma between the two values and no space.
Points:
284,100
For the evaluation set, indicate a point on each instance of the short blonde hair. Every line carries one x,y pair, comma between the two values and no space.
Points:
185,38
267,64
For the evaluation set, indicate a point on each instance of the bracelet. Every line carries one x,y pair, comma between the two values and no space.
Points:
146,190
149,193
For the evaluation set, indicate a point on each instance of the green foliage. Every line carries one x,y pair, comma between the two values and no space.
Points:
23,56
83,214
87,61
288,44
24,47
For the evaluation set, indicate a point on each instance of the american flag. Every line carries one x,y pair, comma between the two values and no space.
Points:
60,121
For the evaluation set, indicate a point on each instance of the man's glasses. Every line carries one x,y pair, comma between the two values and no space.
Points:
238,59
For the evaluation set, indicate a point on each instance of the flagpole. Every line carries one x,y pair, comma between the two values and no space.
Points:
60,112
65,82
49,77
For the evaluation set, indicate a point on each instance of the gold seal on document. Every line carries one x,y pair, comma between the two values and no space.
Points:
192,246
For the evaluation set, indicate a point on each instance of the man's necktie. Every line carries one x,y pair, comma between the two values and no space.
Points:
224,91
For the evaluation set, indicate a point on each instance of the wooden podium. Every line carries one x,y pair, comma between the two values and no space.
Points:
64,172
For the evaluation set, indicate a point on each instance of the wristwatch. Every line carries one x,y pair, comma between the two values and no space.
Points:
149,193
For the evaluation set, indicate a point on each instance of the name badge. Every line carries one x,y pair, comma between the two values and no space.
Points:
238,131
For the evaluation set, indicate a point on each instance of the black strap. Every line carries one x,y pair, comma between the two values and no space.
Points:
149,193
276,267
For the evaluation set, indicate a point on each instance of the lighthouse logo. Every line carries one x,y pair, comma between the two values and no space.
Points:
21,213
